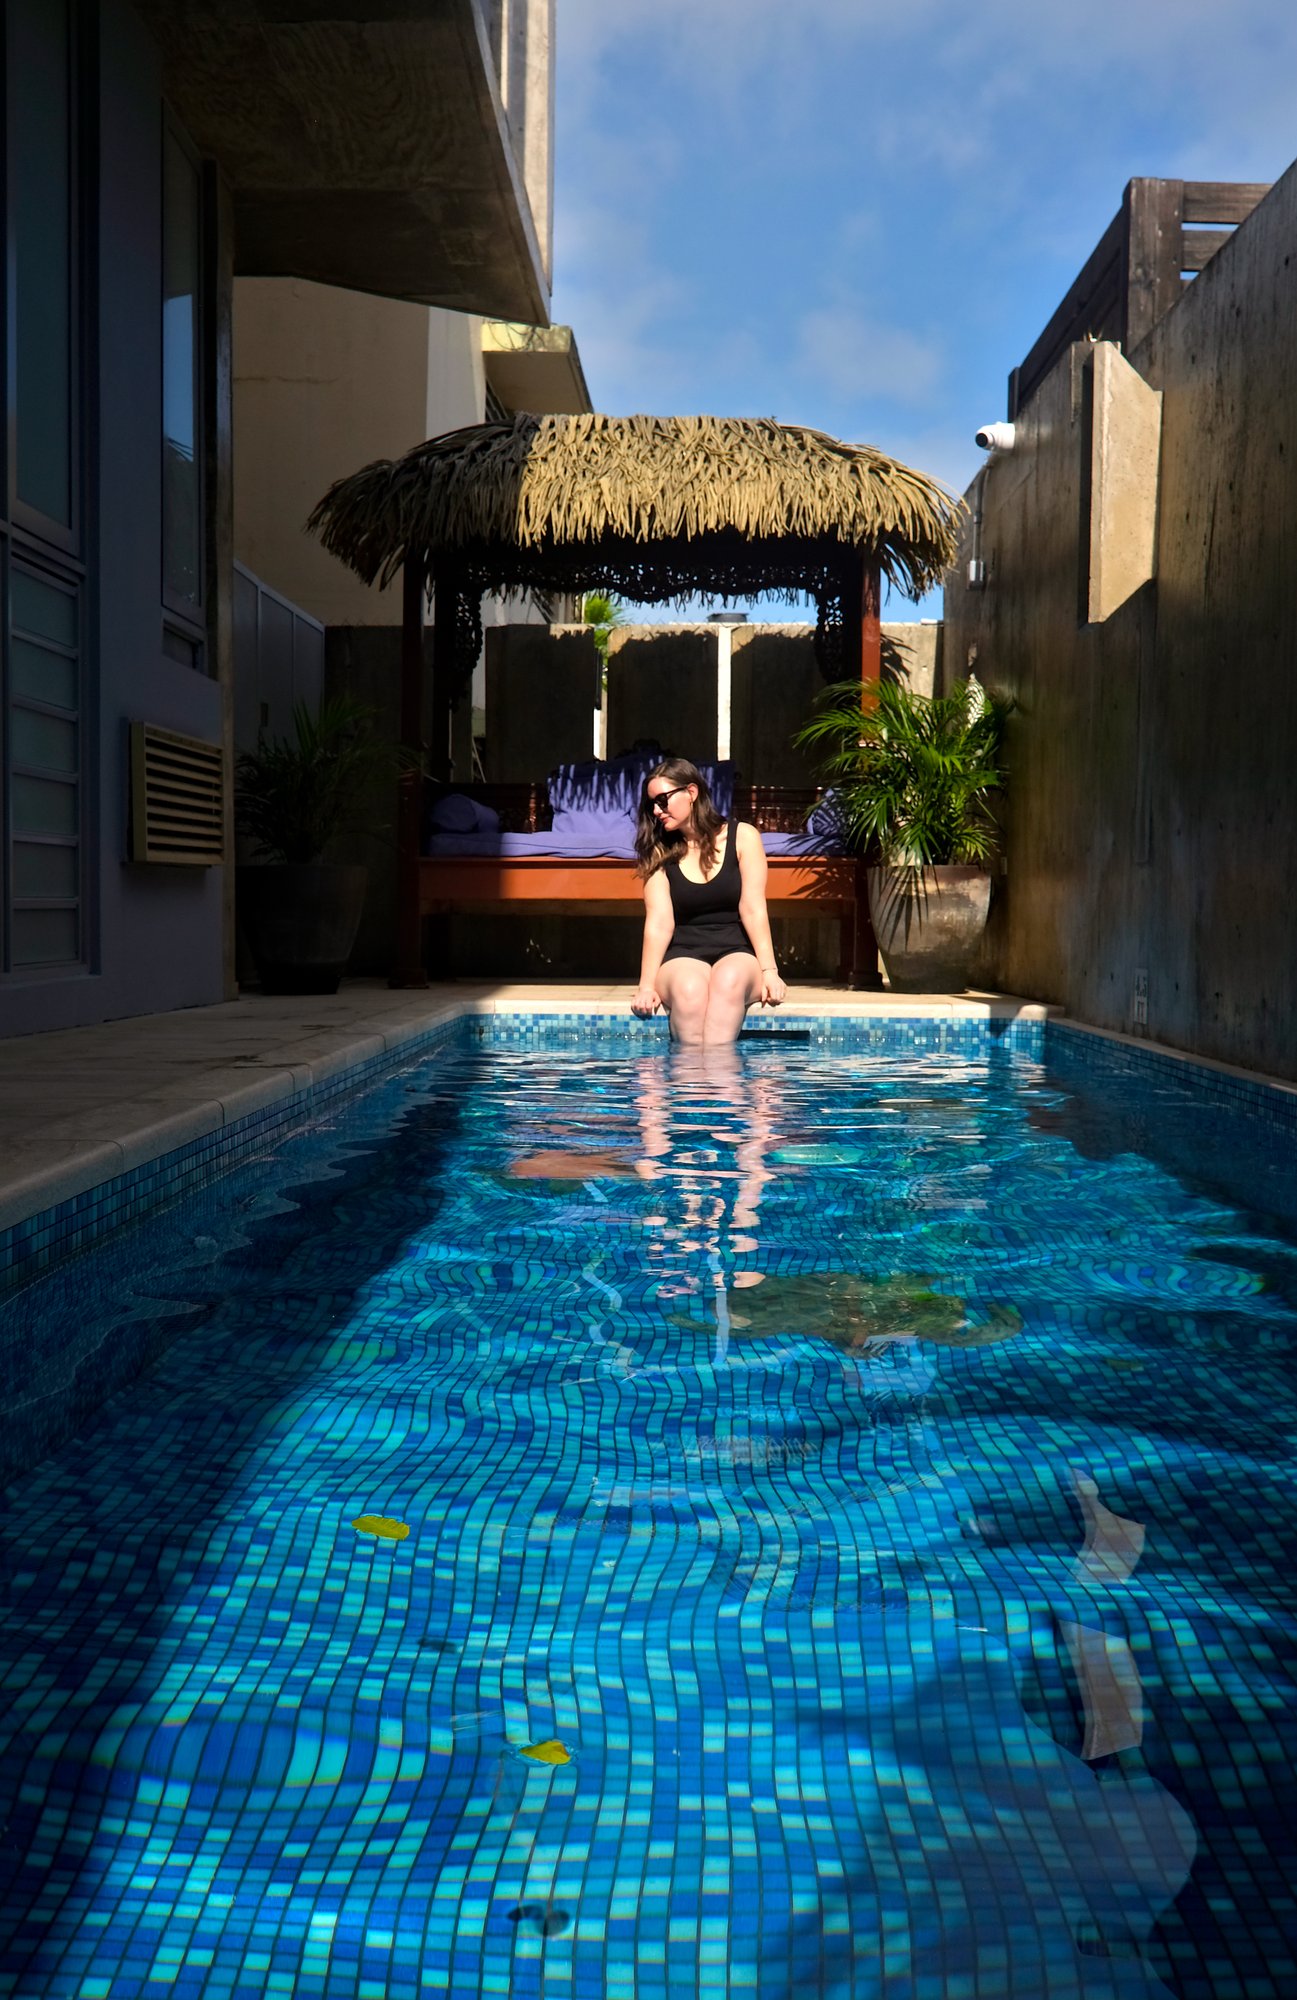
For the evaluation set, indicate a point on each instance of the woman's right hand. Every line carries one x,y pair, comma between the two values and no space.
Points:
644,1002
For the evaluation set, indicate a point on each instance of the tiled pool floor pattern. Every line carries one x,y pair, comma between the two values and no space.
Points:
879,1480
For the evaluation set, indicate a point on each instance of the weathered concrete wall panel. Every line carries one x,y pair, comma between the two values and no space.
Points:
1153,818
662,688
542,688
774,683
1125,444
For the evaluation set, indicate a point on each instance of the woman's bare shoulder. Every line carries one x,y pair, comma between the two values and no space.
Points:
748,836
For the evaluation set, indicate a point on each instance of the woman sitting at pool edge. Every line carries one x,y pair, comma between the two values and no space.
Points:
707,953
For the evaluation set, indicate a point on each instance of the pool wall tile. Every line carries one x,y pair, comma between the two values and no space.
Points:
48,1394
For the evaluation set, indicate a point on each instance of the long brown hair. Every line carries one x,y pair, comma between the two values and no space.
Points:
705,822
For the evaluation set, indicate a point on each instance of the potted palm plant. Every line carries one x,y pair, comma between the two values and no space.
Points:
292,797
915,779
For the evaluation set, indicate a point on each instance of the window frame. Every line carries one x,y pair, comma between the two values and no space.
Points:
183,617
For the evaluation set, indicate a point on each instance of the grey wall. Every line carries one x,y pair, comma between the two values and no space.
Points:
364,662
542,689
662,688
159,929
278,661
1153,814
775,682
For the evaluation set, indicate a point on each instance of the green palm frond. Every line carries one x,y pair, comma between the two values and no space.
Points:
914,776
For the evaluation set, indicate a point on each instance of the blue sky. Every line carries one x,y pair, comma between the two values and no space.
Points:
860,216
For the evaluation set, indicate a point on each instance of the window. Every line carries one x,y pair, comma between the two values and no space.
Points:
182,441
42,303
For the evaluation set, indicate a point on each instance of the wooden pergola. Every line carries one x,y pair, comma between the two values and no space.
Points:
654,509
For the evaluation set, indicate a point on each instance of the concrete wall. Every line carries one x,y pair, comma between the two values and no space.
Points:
662,689
775,681
324,381
521,36
364,662
542,686
1153,816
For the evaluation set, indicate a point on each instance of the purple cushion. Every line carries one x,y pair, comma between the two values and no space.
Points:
825,817
597,831
618,786
456,813
576,785
720,783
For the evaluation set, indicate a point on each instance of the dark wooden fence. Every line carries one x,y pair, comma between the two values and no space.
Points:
1160,238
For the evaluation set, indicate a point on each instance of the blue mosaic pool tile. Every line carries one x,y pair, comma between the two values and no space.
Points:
894,1036
918,1617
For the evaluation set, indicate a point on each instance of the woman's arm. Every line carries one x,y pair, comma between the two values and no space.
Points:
753,913
659,922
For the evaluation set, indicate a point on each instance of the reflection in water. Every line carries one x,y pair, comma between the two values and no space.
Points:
560,1164
707,1127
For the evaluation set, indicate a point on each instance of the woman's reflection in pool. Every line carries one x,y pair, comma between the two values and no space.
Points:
708,1125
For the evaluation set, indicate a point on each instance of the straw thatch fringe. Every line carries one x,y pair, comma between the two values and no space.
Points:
666,486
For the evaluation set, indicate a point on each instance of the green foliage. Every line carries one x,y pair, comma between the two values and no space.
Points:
914,774
604,612
294,795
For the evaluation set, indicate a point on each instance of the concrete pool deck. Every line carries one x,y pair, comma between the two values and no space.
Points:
82,1105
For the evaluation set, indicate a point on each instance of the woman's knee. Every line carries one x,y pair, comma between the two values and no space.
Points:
731,982
688,990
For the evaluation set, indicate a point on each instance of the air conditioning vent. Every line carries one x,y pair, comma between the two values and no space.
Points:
177,798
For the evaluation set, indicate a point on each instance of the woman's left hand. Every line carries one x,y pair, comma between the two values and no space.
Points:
773,989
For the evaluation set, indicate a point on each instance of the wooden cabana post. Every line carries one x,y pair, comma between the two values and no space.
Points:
408,969
863,648
656,509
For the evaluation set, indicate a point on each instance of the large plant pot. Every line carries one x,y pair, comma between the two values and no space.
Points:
300,922
929,923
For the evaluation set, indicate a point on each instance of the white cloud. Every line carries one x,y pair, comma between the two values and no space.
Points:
855,357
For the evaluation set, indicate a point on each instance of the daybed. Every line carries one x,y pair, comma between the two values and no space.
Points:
568,845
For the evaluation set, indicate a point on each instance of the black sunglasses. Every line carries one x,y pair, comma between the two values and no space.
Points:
658,801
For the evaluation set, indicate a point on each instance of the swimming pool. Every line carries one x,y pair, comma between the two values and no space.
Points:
849,1520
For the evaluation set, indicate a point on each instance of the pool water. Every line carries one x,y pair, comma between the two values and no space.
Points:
828,1525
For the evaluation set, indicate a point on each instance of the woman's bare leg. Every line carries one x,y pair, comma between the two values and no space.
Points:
682,987
735,984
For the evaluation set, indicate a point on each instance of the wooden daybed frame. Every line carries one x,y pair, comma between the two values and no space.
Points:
600,885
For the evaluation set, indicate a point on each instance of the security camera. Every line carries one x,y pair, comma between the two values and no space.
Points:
995,437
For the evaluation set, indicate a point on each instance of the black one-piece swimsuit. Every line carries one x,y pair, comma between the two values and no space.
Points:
707,913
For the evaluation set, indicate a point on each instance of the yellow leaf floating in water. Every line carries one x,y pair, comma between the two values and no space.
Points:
386,1529
551,1751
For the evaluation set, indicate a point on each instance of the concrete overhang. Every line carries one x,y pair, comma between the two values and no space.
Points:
366,145
534,368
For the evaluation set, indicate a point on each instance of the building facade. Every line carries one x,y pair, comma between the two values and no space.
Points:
156,153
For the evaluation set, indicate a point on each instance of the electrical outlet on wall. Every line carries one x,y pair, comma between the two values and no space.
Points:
1139,1006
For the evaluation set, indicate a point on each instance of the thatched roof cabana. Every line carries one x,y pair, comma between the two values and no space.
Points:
656,509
